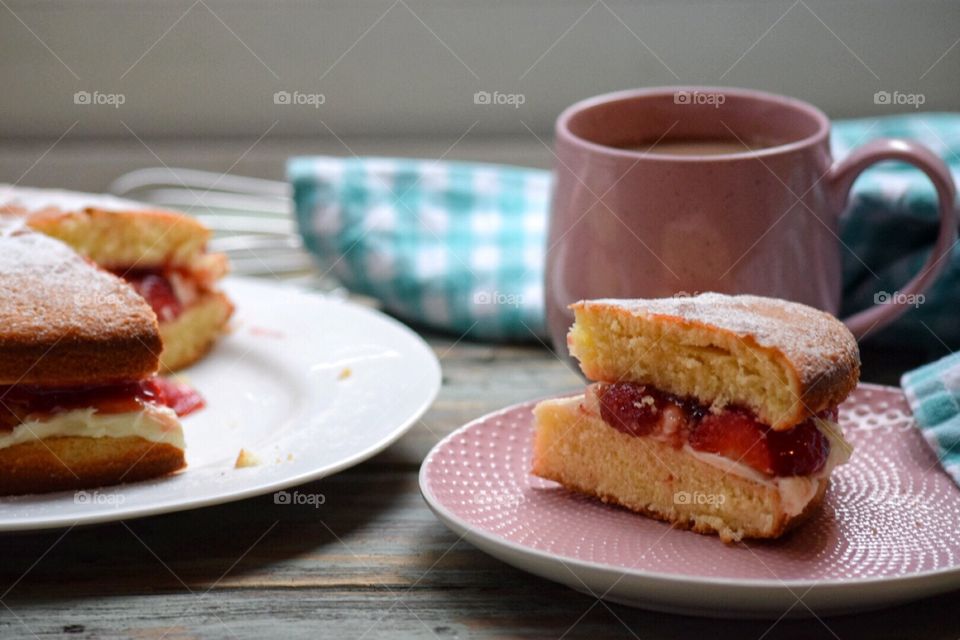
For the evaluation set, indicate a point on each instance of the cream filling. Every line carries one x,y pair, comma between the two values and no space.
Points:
185,288
796,492
154,423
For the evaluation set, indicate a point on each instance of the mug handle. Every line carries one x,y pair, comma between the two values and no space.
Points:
841,177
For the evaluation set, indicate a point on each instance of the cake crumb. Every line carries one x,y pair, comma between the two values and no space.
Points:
345,373
246,459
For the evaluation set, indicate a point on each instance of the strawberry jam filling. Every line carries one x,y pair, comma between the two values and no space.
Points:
21,402
155,287
735,433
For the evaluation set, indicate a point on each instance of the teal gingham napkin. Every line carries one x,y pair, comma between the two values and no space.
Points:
453,246
460,247
933,392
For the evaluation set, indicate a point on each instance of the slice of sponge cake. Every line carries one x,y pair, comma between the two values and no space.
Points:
715,413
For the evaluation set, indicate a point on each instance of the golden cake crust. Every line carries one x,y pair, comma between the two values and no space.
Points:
67,322
803,360
113,232
72,462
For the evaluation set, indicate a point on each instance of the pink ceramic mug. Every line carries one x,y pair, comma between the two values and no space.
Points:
677,190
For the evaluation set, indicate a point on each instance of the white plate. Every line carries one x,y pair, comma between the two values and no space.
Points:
272,387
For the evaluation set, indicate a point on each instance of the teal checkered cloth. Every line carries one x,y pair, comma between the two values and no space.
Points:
933,392
453,246
460,247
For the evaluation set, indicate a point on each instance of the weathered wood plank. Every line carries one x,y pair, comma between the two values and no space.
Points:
478,379
524,611
371,560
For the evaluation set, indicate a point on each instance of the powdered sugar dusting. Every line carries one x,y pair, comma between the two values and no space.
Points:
28,200
808,337
49,291
10,225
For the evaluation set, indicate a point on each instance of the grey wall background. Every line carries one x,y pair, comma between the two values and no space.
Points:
198,77
411,67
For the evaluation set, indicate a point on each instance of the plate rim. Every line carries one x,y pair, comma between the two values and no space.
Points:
433,383
467,530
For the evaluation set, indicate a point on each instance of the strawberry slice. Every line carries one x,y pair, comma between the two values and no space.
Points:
736,434
630,408
799,451
180,397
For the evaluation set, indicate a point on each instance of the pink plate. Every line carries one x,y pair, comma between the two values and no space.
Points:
889,530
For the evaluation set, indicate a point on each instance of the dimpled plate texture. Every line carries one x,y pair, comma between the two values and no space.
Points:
888,532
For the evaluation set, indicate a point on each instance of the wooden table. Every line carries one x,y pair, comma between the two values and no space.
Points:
372,562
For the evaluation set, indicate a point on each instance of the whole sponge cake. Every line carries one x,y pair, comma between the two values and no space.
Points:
785,361
64,321
714,413
161,253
